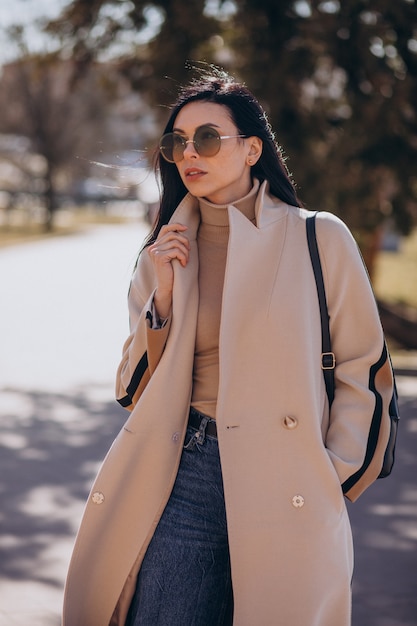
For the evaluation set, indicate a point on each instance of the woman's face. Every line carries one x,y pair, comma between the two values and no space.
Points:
226,176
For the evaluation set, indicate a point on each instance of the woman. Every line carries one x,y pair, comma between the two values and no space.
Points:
222,499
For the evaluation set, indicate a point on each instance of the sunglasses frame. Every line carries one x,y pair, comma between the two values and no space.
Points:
185,142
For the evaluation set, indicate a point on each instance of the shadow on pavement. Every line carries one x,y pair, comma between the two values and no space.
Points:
384,522
51,445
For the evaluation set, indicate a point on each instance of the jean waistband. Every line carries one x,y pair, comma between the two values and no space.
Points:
196,418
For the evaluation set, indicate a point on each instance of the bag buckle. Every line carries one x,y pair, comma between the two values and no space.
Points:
328,361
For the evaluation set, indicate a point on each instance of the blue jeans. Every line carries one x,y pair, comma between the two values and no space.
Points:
185,576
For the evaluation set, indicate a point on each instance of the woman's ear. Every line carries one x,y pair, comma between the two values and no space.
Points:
255,150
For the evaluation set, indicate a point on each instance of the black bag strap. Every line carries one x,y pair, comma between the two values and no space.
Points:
328,360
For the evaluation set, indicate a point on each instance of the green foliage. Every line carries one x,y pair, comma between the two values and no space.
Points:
340,84
94,28
338,79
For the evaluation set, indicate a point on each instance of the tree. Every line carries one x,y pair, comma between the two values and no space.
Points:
64,120
339,80
178,30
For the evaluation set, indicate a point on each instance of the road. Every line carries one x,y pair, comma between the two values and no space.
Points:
63,321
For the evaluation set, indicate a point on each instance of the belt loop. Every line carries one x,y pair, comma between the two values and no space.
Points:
200,435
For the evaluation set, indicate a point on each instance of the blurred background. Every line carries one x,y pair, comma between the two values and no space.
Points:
84,86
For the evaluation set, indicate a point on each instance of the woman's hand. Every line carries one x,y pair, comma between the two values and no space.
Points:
170,244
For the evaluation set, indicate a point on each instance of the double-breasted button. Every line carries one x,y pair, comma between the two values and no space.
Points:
98,497
298,501
289,422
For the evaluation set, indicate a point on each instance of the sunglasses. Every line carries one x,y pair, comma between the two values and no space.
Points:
206,140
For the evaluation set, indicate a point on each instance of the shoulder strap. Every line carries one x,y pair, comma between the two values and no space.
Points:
328,361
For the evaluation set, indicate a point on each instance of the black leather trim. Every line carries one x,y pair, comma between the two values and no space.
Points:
132,387
375,425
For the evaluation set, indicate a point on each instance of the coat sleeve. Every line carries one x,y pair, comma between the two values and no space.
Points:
359,423
144,346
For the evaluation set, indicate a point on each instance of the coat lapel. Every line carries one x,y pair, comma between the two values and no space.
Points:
254,255
185,291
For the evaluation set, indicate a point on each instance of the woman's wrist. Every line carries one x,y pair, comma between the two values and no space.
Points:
162,303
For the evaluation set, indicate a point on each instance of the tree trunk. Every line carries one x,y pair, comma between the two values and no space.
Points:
51,203
370,248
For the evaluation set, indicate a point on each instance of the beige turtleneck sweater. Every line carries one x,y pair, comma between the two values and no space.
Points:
212,240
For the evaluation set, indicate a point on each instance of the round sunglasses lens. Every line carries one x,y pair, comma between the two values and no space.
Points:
207,141
172,147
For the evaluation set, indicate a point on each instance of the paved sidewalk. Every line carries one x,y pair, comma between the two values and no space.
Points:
64,319
63,322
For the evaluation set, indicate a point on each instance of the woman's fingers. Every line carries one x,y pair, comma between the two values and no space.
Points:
170,244
167,251
172,233
175,227
176,230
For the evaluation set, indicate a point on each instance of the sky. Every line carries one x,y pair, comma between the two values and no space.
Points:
29,13
26,13
28,10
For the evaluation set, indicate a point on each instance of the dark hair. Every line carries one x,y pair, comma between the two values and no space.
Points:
216,86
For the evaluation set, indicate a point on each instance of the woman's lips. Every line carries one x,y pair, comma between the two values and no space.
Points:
193,173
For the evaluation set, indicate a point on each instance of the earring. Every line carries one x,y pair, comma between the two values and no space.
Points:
249,161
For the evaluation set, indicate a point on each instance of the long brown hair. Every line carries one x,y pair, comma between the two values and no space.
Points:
216,86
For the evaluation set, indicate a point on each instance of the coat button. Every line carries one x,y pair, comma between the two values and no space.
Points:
98,497
298,501
290,422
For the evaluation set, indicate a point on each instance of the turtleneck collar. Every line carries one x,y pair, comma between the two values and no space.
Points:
217,215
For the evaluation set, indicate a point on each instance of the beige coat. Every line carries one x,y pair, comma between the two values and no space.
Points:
283,459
